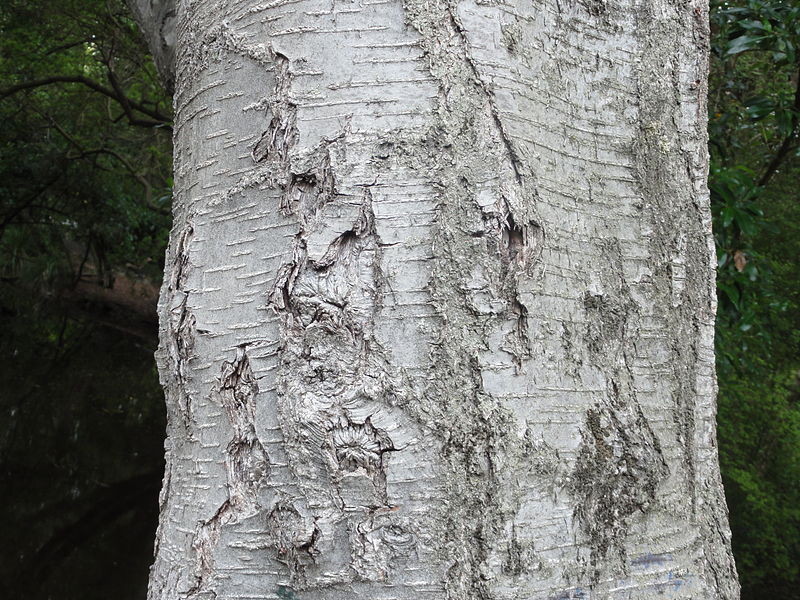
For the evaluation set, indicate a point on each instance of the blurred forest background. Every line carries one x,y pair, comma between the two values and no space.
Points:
85,190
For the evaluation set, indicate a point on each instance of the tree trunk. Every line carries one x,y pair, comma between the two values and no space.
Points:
439,304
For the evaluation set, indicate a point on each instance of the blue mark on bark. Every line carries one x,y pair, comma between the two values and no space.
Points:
651,560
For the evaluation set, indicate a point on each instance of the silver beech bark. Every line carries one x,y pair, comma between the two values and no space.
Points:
438,312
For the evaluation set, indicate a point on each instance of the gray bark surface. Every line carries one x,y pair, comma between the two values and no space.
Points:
438,312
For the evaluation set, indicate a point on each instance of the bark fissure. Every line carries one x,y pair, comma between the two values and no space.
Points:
246,461
181,327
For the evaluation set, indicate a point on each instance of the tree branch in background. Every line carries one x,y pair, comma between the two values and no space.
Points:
105,506
148,189
789,143
15,211
126,103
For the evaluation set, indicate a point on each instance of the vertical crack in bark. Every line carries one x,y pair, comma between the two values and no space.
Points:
457,27
619,468
474,427
246,461
658,131
521,247
271,153
281,132
178,323
203,544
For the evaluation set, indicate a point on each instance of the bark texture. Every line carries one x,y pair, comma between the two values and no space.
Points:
438,312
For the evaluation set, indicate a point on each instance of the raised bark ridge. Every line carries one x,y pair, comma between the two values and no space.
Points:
439,306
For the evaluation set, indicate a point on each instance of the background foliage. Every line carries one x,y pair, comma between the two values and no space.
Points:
754,107
84,214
